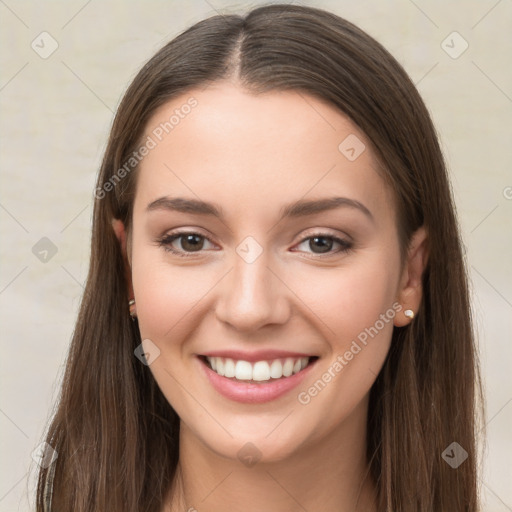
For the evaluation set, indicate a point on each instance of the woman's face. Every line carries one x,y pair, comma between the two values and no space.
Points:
265,281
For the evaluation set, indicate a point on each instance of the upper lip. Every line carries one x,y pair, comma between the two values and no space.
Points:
258,355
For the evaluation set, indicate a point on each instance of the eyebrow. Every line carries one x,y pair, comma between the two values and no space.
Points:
300,208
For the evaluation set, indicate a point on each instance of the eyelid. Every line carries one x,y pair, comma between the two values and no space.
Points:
185,231
311,232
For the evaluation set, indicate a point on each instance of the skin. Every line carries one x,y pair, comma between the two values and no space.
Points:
251,155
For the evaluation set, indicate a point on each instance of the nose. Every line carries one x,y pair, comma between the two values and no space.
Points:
252,295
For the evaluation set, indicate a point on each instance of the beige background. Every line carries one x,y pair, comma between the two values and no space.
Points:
55,117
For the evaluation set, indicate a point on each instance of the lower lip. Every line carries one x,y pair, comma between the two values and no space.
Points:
247,392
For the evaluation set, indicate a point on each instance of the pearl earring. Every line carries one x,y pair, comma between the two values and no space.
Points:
409,313
131,305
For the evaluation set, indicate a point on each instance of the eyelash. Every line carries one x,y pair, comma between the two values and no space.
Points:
167,240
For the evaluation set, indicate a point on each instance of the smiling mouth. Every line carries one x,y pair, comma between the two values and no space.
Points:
258,372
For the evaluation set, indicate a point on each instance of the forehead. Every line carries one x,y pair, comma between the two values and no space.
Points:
255,153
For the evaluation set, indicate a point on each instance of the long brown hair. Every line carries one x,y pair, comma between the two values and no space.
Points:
115,433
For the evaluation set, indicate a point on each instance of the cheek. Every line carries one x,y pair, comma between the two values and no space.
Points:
356,308
166,295
350,299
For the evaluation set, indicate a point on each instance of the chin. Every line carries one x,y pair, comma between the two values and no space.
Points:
254,444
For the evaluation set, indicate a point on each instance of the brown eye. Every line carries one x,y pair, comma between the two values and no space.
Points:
191,242
183,244
323,244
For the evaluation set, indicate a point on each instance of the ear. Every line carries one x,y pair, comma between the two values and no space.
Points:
125,244
410,290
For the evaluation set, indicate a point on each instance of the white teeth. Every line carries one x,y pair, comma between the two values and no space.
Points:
229,368
276,369
288,367
258,371
220,366
261,371
243,370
